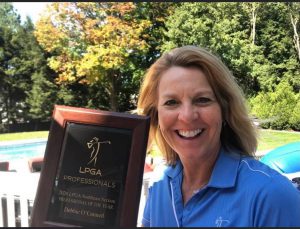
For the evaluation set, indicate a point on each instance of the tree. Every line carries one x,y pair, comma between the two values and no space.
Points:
294,10
154,36
224,28
15,67
292,65
276,38
276,108
252,8
41,95
91,43
22,63
9,91
253,39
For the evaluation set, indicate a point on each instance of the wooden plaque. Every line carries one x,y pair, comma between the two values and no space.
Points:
93,169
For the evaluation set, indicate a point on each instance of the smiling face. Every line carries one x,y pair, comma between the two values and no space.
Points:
189,115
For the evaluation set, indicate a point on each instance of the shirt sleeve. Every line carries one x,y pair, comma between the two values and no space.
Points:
278,205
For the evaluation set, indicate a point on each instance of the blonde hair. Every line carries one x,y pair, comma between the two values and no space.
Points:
238,130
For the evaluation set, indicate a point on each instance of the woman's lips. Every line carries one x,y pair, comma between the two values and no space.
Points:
189,133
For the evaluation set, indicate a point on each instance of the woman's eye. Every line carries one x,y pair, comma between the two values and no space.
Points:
203,100
171,102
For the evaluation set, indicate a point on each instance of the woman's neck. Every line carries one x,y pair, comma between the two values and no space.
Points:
196,175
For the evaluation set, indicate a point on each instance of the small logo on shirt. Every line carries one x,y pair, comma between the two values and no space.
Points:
221,222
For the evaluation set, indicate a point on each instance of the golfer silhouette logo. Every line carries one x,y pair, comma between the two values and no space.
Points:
94,145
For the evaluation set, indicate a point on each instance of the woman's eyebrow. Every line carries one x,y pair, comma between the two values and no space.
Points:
204,92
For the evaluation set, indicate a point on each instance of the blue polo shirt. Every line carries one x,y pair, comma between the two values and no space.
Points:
242,192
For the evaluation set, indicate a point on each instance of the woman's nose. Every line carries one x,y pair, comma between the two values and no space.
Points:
187,113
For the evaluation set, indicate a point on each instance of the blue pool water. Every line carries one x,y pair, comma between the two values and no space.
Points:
22,150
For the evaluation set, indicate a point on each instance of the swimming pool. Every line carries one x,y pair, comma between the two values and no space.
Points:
11,151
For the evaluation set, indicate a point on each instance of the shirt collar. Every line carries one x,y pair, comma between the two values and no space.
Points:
224,173
174,170
225,170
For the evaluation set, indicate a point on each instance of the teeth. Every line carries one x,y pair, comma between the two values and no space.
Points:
189,133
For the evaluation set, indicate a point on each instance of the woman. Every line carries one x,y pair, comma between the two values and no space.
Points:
200,123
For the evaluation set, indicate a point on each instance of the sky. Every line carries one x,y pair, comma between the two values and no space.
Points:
32,9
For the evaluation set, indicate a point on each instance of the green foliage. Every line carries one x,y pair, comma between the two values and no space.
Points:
104,46
295,115
278,109
221,27
258,62
21,64
93,43
99,51
41,97
14,78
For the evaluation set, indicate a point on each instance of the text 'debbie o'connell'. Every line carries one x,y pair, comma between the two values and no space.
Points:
85,200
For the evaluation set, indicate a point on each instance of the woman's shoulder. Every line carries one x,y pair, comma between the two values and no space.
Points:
256,168
267,185
252,171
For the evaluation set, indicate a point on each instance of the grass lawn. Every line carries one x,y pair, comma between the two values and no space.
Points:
23,135
269,139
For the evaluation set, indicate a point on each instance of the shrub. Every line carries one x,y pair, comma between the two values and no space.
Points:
295,116
276,108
